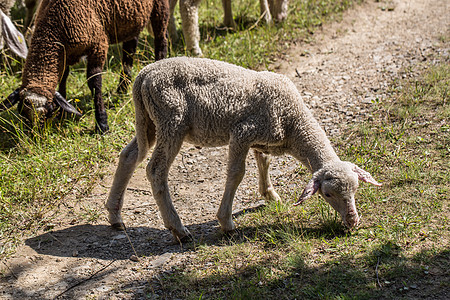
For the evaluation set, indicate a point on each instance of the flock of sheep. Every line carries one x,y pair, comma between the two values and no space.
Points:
204,102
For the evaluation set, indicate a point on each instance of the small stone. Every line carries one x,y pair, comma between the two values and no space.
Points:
75,253
134,258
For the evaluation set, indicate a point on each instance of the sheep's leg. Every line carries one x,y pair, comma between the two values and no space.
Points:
235,173
160,20
129,158
157,173
63,83
133,154
189,24
279,9
128,51
265,11
172,23
265,185
228,14
94,76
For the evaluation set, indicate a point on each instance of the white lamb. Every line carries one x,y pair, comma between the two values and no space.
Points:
211,103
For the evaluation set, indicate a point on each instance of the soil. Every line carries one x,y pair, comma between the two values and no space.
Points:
348,65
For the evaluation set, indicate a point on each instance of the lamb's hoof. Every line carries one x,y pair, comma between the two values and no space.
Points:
118,226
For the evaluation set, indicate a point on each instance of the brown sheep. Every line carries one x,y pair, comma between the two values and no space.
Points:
65,31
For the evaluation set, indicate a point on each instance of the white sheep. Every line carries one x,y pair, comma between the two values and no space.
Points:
270,9
210,103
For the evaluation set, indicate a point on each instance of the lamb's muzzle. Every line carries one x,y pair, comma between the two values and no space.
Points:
211,103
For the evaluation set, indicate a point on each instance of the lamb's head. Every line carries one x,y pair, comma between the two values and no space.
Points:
337,183
36,107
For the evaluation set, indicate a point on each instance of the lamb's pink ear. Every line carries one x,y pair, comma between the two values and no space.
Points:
311,188
66,106
9,102
365,176
13,38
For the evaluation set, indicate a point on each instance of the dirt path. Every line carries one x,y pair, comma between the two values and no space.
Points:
348,66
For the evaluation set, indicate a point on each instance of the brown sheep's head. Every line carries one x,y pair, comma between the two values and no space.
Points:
36,108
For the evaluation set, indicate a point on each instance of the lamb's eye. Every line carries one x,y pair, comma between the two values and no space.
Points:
327,195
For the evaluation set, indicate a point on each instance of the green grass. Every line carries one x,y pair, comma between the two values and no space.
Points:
280,251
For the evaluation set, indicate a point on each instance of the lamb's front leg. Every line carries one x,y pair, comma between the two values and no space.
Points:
235,173
265,185
157,173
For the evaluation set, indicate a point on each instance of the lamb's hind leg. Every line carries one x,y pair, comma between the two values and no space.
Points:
157,173
129,158
128,161
235,173
265,185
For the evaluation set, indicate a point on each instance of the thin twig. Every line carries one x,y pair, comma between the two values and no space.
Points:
87,279
54,237
184,165
376,271
257,21
129,240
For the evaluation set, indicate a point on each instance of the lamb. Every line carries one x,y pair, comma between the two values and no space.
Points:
65,31
211,103
189,19
9,33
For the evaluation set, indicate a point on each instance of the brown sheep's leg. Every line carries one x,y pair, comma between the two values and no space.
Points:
157,172
31,10
228,14
235,172
94,78
128,51
160,20
63,83
265,185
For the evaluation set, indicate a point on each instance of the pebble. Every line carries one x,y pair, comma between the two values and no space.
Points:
134,258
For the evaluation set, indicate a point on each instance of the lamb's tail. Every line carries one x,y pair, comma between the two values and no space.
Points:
145,128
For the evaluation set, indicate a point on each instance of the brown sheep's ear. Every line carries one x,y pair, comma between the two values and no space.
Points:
13,38
66,106
311,188
9,102
365,176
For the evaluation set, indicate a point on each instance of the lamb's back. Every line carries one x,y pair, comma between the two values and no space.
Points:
213,99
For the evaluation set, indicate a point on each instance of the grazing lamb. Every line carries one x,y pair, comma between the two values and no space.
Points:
211,103
189,19
9,33
65,31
